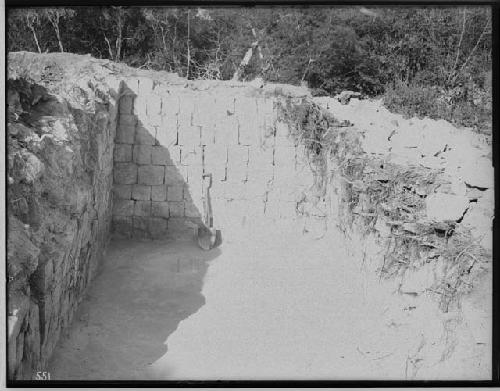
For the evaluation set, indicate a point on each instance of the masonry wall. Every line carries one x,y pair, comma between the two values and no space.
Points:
168,137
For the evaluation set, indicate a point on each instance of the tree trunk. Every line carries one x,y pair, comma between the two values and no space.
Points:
35,37
188,47
59,38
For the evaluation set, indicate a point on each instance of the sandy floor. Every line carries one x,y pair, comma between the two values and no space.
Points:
263,306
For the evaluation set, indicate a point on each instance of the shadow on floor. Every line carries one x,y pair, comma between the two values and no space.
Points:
142,292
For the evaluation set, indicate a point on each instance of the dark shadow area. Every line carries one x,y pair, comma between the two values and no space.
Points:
142,292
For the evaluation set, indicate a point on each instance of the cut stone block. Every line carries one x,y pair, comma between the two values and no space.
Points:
122,153
194,174
145,85
192,156
125,134
142,154
151,175
160,156
125,173
191,210
123,226
141,192
127,120
189,136
145,136
166,134
175,193
158,227
153,103
173,175
122,192
159,193
170,107
126,104
142,208
176,209
123,208
160,209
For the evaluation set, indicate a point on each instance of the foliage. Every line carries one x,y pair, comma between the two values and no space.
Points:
428,51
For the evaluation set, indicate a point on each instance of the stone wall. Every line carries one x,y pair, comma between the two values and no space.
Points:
169,136
60,146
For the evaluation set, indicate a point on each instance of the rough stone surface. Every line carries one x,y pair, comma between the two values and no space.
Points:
60,167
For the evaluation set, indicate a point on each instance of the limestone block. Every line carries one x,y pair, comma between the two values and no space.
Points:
122,225
158,227
177,226
126,104
237,154
122,153
142,154
192,156
203,110
140,108
141,192
226,131
160,209
271,209
141,227
235,191
125,134
189,136
153,103
193,191
187,104
192,211
160,156
173,175
194,174
127,120
259,157
256,189
441,207
170,107
159,193
144,135
285,157
122,192
175,193
176,209
125,173
246,111
261,175
151,175
166,134
145,85
175,154
237,172
123,208
142,208
153,120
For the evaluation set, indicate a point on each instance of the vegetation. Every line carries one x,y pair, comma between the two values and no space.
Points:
433,61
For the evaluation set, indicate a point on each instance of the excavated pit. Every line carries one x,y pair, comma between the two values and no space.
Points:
329,266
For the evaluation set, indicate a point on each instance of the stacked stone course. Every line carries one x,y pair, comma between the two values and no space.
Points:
168,137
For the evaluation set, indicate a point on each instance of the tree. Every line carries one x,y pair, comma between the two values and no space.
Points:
54,16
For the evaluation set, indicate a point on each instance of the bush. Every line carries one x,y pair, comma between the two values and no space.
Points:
463,106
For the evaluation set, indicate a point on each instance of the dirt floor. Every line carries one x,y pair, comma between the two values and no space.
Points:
262,306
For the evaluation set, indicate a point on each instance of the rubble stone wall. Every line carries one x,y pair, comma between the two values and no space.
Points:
60,139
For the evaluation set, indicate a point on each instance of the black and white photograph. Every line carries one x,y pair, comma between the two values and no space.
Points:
237,193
